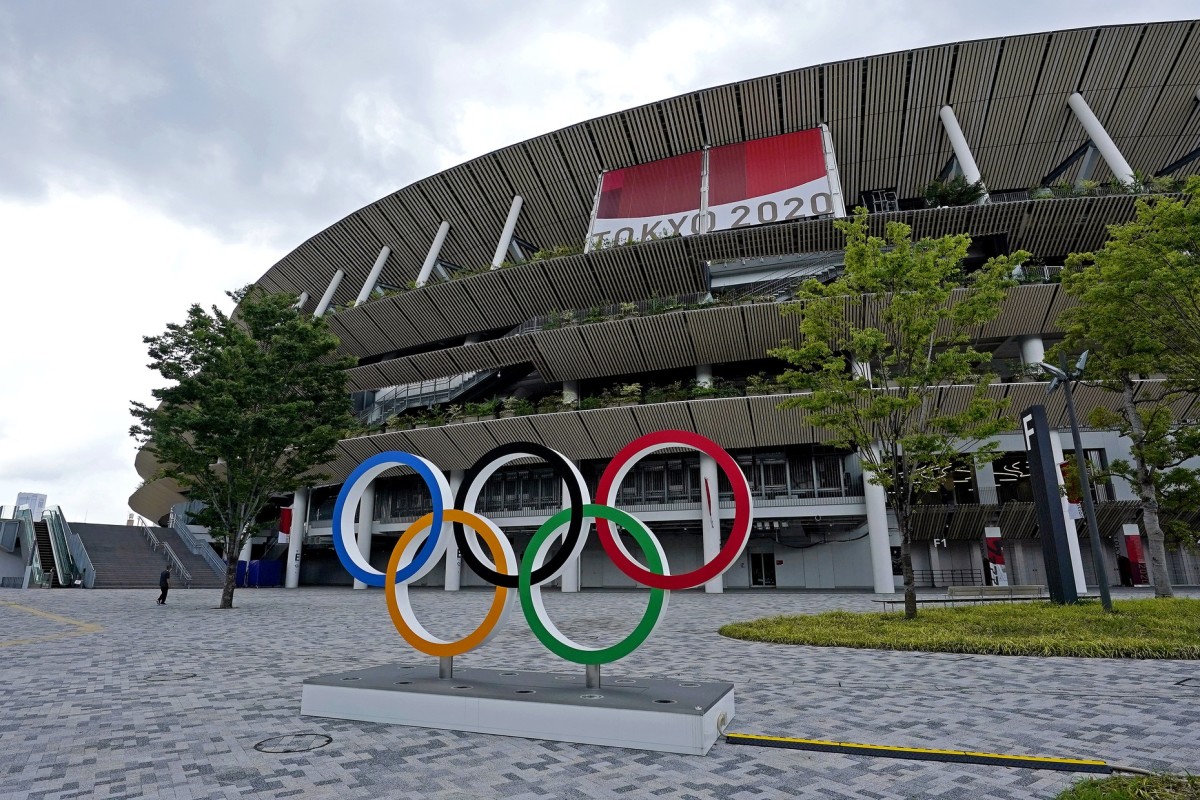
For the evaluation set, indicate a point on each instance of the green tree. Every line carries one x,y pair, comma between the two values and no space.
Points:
908,311
1139,315
255,401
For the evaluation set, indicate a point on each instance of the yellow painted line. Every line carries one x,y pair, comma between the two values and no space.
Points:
917,750
80,627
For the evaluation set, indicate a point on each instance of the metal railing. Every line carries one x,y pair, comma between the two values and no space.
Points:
202,549
181,572
947,577
84,572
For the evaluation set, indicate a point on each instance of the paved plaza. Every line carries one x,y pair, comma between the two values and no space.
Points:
105,694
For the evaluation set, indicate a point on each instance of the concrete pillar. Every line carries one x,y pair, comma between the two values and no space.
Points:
327,298
1072,532
1100,138
710,506
935,562
506,235
710,519
879,536
453,580
301,300
962,151
366,518
373,277
246,548
296,538
431,257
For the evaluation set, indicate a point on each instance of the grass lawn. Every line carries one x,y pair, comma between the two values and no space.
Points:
1137,629
1157,787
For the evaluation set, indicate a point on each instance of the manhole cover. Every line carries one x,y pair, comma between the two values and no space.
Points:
170,676
293,743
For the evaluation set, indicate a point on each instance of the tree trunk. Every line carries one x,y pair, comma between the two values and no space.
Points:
910,586
231,562
1148,496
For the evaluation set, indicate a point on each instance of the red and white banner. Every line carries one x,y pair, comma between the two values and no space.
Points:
285,525
775,179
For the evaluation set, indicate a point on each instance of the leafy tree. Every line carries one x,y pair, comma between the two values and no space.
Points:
1139,314
956,191
907,310
255,401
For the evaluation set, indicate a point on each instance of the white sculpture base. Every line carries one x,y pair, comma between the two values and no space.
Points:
666,715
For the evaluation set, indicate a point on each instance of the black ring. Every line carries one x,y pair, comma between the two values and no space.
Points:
561,467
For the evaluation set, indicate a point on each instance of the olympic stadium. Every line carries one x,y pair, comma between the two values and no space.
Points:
627,275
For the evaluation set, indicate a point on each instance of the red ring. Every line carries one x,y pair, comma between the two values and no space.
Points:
741,515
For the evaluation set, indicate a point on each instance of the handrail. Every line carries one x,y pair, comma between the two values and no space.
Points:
85,570
28,535
157,543
64,564
202,549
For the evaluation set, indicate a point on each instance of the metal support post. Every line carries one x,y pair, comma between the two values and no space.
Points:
446,668
328,296
431,257
510,225
962,151
592,677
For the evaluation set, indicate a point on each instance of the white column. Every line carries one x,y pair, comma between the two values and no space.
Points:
328,296
366,517
431,257
710,519
296,538
453,559
506,235
1100,138
879,536
1033,350
710,506
245,554
301,300
962,151
1072,533
373,277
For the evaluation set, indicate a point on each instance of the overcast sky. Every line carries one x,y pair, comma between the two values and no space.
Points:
156,154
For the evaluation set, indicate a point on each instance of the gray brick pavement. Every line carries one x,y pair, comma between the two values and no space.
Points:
170,702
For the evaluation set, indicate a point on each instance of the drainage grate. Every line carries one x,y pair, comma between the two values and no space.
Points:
170,676
293,743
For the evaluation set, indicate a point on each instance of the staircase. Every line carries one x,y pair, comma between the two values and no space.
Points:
124,559
46,553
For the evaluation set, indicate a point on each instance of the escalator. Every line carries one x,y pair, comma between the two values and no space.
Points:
45,552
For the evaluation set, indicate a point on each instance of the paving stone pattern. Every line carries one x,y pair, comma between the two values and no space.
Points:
170,702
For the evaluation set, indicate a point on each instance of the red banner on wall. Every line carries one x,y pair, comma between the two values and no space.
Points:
758,182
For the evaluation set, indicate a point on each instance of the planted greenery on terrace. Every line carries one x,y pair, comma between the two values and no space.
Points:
1137,629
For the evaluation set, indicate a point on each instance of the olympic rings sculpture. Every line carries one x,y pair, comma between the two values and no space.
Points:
423,544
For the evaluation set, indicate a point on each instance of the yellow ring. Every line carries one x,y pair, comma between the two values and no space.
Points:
499,599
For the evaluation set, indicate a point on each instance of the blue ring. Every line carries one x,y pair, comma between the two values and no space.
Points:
395,458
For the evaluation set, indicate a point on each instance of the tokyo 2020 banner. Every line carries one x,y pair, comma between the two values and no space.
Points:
775,179
424,544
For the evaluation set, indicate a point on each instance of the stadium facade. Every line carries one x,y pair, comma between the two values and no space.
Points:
627,274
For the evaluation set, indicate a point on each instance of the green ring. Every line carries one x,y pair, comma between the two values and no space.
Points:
654,608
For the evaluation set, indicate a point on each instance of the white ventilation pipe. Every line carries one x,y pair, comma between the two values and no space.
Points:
328,296
1100,138
432,256
373,277
506,235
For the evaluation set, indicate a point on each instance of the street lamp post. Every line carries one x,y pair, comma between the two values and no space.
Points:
1066,377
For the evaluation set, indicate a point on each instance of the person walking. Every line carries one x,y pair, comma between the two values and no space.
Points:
164,583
